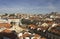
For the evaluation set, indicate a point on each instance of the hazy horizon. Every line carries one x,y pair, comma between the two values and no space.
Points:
29,6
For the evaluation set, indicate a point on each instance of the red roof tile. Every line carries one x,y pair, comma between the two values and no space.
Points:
6,25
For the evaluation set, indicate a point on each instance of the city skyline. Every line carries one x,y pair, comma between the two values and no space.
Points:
29,6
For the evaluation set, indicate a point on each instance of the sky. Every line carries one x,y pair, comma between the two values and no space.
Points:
29,6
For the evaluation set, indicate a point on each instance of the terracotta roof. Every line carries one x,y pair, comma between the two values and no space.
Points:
33,26
35,38
43,38
7,31
36,35
6,25
26,35
56,30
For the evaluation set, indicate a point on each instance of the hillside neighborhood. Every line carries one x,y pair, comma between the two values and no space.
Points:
30,26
